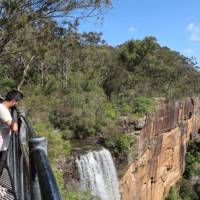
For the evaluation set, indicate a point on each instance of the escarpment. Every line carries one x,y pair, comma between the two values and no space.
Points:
161,149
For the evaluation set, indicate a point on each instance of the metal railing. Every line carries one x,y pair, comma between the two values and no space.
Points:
29,171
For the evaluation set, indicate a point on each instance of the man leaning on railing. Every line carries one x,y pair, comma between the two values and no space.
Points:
7,125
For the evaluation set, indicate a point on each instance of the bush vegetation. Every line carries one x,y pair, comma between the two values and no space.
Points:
192,160
187,189
173,194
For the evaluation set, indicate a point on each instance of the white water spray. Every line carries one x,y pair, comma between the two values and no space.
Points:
97,173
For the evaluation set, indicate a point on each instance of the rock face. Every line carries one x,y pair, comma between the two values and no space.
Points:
131,125
70,173
161,151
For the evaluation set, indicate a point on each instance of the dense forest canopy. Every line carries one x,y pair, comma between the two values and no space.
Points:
76,85
34,49
29,31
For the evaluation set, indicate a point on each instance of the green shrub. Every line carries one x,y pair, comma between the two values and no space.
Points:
186,190
126,108
125,142
86,195
173,194
110,111
84,114
6,84
192,160
67,134
136,116
111,144
134,104
120,144
143,105
40,127
56,145
37,106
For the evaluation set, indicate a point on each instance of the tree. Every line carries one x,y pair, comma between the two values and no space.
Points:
29,35
15,15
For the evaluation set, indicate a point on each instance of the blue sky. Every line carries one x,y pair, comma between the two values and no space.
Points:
175,23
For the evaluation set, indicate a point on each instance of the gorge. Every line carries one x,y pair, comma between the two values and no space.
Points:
158,156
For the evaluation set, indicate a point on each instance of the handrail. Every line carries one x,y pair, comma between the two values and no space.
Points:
40,165
29,170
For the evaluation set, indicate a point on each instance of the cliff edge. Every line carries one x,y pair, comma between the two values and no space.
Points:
161,149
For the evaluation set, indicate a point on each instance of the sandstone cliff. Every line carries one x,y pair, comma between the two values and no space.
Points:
160,153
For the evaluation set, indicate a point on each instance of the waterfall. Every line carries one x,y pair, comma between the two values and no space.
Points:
97,173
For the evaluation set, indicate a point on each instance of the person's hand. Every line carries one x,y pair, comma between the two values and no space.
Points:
15,127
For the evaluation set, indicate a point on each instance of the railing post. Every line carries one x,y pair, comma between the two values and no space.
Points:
35,144
16,159
22,140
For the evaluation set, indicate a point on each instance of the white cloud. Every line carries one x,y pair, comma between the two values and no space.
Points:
189,51
195,31
132,29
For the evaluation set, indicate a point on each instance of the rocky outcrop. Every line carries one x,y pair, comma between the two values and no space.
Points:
129,124
160,153
70,173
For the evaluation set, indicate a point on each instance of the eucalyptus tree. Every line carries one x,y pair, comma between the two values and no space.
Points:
29,31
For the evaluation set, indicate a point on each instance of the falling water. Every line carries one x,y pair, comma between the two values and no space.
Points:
97,173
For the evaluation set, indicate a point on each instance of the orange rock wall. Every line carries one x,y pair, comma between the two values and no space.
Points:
161,151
